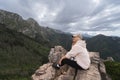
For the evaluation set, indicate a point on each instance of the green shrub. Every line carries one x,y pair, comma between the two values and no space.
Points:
113,69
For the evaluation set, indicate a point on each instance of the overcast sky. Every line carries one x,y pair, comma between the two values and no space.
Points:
75,16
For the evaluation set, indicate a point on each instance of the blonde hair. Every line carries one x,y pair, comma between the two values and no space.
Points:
78,35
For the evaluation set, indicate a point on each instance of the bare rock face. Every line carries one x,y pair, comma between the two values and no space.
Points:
47,72
56,53
109,59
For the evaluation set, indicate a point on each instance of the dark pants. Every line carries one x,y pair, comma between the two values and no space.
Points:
71,63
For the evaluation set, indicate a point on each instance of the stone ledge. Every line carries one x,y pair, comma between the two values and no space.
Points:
47,72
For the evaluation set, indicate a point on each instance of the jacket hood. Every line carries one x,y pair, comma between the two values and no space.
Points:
82,43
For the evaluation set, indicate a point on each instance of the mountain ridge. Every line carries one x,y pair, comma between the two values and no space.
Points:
106,45
31,28
47,37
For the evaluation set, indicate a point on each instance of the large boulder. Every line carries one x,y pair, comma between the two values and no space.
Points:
96,71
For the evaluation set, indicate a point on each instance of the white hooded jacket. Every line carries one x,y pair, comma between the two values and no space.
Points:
80,53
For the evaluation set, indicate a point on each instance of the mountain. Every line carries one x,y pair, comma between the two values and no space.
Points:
106,45
20,55
24,45
31,28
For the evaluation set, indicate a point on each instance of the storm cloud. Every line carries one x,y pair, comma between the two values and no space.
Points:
78,16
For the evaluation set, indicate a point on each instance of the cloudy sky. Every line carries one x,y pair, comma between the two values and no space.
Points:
75,16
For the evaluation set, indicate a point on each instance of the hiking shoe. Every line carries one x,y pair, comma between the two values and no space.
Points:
56,66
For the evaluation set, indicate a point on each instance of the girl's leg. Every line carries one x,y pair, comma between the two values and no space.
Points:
70,63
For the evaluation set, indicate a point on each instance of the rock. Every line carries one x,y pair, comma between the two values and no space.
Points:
96,71
56,53
48,74
109,59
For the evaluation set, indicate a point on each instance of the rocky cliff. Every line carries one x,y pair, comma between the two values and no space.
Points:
31,28
96,71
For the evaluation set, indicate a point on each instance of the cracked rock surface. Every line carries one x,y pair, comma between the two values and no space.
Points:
96,71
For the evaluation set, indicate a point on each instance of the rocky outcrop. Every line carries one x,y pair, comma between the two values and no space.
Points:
47,72
16,22
109,59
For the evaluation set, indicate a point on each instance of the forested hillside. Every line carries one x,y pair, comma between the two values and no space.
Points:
20,55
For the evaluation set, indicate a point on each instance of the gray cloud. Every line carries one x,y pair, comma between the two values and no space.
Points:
90,16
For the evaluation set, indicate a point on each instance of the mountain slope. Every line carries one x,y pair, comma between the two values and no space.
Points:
32,29
107,46
19,54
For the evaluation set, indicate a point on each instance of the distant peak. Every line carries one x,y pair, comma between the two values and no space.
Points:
8,12
5,13
100,35
31,20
